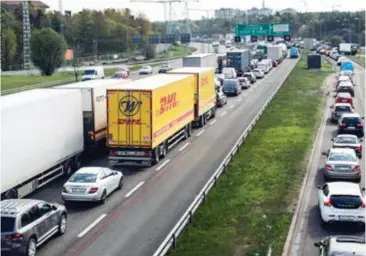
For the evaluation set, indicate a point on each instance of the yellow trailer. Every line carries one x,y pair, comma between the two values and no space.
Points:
205,93
147,117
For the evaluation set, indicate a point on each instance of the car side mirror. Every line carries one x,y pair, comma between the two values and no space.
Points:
363,189
360,140
332,139
362,117
115,173
324,153
318,187
54,207
331,106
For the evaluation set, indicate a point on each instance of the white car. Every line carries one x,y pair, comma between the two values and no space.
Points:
258,73
342,163
145,70
348,73
340,60
341,202
91,184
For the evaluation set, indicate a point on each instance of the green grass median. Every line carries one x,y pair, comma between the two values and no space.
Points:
250,208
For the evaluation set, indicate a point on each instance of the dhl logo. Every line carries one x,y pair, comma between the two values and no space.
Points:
204,81
167,103
130,121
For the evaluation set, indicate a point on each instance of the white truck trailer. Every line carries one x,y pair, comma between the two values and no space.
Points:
94,93
42,138
345,48
274,52
200,60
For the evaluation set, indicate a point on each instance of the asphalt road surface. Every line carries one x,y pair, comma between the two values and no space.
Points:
135,220
309,229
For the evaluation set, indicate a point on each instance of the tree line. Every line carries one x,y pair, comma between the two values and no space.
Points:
88,32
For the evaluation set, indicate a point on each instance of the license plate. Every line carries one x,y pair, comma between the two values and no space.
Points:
342,217
351,128
78,190
343,168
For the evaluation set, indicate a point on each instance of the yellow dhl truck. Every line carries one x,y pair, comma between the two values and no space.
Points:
147,117
205,93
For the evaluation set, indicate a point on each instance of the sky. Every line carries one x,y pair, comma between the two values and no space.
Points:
155,11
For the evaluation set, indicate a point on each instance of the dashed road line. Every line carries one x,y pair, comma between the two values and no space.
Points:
184,146
232,106
238,100
135,189
199,134
223,113
245,94
92,225
162,165
213,122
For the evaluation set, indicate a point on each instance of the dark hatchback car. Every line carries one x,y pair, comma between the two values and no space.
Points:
351,123
346,88
231,87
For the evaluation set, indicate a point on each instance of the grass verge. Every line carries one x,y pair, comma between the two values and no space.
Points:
250,207
360,60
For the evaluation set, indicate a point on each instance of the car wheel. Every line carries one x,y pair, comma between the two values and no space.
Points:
120,184
31,247
62,224
103,197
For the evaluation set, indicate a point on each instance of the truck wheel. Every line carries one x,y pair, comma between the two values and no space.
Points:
156,155
189,130
185,136
164,151
213,112
11,194
77,163
67,168
202,120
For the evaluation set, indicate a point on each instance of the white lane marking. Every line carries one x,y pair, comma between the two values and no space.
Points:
232,106
245,94
251,89
198,134
255,86
182,148
162,165
223,113
88,228
214,121
135,189
238,100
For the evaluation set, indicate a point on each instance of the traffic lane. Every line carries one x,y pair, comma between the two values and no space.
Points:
174,64
314,231
148,216
81,215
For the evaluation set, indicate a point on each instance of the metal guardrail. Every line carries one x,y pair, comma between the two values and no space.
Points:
36,86
171,240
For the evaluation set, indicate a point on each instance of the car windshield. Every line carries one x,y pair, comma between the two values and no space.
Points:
341,157
257,70
346,140
117,75
247,74
229,84
89,72
346,201
7,224
145,67
351,120
83,178
343,109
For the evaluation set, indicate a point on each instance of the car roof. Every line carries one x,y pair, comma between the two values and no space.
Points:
346,135
344,188
348,82
351,115
13,207
351,244
342,151
91,170
343,78
342,105
344,95
345,84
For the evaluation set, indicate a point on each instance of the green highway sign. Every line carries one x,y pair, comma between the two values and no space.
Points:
282,29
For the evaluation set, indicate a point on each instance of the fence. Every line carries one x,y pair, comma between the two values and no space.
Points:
171,240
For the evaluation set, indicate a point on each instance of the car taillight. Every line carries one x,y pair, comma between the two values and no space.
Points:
64,190
333,111
360,124
363,205
328,203
342,124
329,168
93,190
356,168
14,236
113,152
358,148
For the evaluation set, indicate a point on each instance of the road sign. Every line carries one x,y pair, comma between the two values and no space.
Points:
262,29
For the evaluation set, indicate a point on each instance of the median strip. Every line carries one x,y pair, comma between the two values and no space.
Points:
250,208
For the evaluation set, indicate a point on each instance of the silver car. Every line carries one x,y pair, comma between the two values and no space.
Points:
28,223
342,163
342,245
92,184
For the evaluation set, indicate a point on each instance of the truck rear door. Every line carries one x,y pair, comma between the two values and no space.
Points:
129,118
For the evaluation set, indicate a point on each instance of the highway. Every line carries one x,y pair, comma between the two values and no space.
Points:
136,219
308,228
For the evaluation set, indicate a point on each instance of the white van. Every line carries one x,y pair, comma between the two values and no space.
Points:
263,65
93,73
229,73
269,63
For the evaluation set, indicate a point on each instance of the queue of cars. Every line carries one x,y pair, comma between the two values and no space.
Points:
341,199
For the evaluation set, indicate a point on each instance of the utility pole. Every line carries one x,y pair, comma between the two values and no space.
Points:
26,38
62,25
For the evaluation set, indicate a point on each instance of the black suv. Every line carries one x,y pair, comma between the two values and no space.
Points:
346,88
351,123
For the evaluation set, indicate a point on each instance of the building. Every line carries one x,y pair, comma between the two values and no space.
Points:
227,13
37,5
288,10
260,12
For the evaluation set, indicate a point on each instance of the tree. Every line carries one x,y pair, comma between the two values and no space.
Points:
336,40
8,47
47,50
